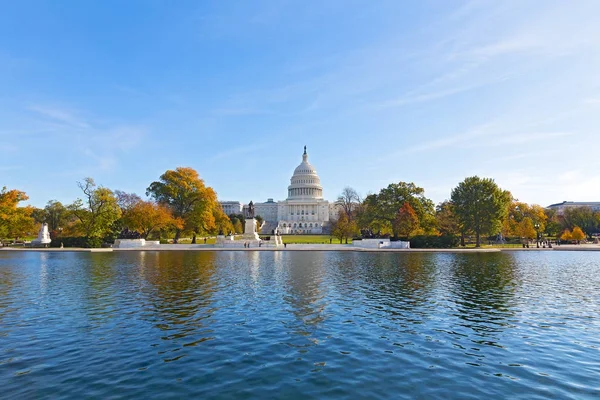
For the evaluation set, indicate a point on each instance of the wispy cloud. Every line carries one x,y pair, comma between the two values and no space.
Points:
62,115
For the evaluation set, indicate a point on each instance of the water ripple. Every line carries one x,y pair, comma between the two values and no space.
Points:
299,324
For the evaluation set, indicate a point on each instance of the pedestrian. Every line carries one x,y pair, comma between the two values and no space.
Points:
204,240
285,245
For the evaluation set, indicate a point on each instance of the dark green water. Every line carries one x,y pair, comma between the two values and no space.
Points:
299,325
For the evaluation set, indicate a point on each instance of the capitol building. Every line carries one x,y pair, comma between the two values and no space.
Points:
303,212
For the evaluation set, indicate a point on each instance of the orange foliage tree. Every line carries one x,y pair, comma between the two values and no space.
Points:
185,194
147,217
406,221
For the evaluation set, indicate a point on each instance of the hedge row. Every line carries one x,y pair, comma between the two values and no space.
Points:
73,241
434,242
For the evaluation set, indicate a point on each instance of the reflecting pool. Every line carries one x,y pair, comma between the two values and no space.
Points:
299,325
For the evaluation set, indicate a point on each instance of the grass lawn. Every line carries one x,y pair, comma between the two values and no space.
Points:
311,239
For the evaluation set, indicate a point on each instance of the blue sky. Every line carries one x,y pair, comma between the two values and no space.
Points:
379,91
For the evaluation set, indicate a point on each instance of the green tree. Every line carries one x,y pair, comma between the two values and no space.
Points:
237,226
480,205
553,223
97,212
447,222
56,215
406,221
379,210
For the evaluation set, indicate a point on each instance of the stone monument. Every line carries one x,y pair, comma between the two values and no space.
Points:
43,237
250,228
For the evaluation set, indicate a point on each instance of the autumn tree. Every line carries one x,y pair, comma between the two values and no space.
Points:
343,227
97,211
526,229
379,210
186,195
147,217
15,221
517,212
406,221
566,235
577,234
480,205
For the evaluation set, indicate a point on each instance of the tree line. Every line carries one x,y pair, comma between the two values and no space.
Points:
177,203
477,208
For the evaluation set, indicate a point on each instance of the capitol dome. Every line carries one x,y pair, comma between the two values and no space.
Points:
305,183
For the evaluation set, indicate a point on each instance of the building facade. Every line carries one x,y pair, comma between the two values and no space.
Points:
232,207
304,211
561,207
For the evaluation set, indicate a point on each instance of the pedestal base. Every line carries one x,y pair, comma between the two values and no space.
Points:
250,230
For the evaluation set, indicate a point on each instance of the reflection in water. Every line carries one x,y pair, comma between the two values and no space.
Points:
484,286
180,289
299,324
303,288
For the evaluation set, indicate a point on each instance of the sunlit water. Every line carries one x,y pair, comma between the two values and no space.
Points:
299,325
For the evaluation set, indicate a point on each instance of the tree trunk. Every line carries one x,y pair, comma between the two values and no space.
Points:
177,235
477,239
462,239
194,238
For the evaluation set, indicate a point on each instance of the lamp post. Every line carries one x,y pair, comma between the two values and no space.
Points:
537,235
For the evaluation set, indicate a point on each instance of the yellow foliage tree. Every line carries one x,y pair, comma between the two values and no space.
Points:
15,221
526,229
577,234
566,235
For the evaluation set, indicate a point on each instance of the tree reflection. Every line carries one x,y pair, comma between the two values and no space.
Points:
484,287
180,289
401,283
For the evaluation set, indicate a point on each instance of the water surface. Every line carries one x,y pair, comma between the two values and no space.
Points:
299,325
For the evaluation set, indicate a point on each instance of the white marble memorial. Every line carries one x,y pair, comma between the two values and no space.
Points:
43,238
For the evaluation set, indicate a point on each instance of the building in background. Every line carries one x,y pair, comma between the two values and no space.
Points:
304,211
232,207
561,207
